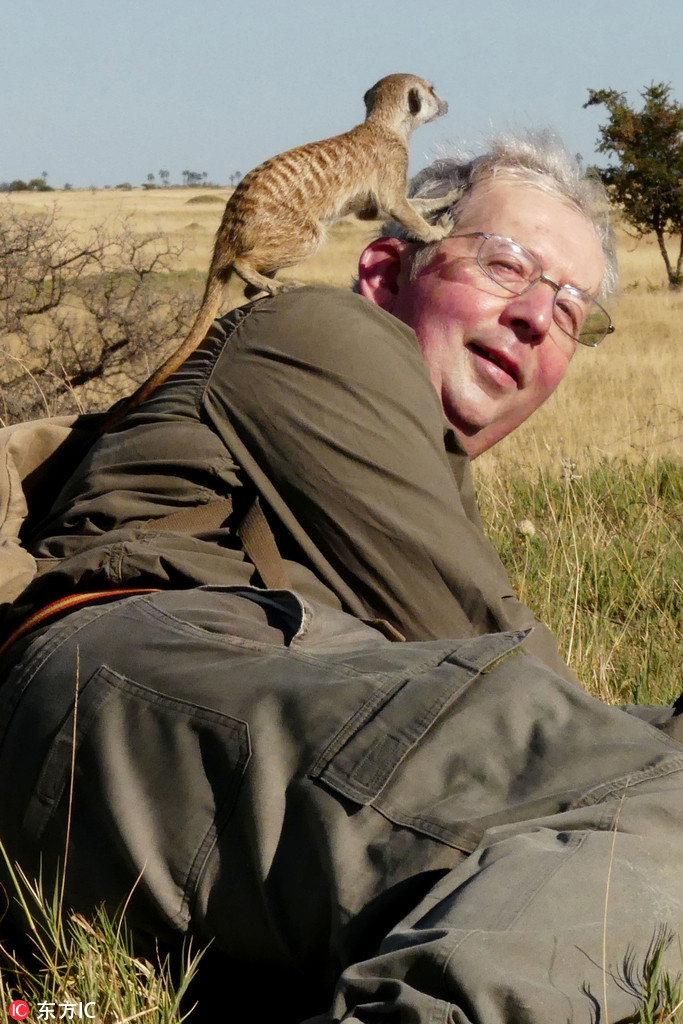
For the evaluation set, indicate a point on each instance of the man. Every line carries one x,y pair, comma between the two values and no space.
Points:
434,827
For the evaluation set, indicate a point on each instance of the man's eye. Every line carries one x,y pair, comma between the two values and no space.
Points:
507,268
569,315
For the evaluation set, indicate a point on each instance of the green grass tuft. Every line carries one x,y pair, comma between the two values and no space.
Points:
661,993
70,959
598,555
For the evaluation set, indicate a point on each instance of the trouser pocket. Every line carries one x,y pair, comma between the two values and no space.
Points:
484,739
148,782
362,761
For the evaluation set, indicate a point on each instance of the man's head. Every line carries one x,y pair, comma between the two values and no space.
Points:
494,356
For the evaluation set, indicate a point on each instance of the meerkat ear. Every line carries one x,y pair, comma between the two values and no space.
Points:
414,101
379,271
369,99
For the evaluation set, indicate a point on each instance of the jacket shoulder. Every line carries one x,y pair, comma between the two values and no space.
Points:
333,329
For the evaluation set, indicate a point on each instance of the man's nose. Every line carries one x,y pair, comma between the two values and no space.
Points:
530,315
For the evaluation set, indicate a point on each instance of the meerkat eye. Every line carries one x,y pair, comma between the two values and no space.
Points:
414,101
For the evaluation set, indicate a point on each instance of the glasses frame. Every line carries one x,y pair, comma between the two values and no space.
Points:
485,236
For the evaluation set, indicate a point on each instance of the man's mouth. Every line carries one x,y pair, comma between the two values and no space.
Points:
501,360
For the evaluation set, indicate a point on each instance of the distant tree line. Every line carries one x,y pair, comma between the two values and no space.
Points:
191,179
34,185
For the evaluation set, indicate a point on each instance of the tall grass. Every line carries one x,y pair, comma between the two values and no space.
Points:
598,555
661,993
70,966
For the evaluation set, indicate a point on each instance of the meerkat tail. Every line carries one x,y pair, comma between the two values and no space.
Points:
208,310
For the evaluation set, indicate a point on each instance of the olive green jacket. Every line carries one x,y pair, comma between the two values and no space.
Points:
322,401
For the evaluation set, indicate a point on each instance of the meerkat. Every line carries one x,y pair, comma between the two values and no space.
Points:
276,216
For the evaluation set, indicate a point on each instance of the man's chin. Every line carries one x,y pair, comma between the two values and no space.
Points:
477,432
468,418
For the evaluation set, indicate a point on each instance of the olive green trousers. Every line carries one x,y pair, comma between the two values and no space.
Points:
439,831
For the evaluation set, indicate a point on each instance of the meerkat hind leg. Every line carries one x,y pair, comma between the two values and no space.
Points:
252,291
257,282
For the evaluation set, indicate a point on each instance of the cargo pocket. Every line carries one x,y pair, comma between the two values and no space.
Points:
361,761
160,774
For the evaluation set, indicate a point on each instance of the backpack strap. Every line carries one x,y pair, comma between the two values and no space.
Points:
256,535
258,542
34,457
261,547
198,519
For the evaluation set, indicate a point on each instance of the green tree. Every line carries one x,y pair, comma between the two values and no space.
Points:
647,179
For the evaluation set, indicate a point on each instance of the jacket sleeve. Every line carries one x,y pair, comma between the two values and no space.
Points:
326,401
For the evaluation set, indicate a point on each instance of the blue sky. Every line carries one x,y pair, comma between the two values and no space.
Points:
100,93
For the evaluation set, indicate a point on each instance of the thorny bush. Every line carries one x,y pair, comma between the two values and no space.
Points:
82,320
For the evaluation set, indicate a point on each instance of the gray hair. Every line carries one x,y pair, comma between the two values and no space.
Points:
537,159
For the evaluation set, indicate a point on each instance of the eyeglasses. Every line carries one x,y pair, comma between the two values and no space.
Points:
517,270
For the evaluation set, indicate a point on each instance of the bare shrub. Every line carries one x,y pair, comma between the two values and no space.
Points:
82,321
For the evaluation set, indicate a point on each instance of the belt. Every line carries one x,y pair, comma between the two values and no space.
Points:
66,604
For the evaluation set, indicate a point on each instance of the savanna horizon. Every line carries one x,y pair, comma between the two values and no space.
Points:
623,399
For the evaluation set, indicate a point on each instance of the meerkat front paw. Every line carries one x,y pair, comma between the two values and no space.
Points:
442,227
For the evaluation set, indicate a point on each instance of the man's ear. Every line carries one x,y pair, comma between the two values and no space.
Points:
381,270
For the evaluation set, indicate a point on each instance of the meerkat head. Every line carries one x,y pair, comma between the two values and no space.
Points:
403,103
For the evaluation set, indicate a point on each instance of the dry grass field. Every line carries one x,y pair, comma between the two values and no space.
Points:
623,399
189,217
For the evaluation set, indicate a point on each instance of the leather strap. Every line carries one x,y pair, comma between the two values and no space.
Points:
254,532
67,604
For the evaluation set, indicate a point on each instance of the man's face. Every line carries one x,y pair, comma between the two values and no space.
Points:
493,357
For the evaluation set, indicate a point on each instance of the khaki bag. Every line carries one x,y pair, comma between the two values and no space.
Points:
35,459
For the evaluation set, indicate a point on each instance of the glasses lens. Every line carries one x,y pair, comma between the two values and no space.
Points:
596,325
508,264
514,268
580,316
